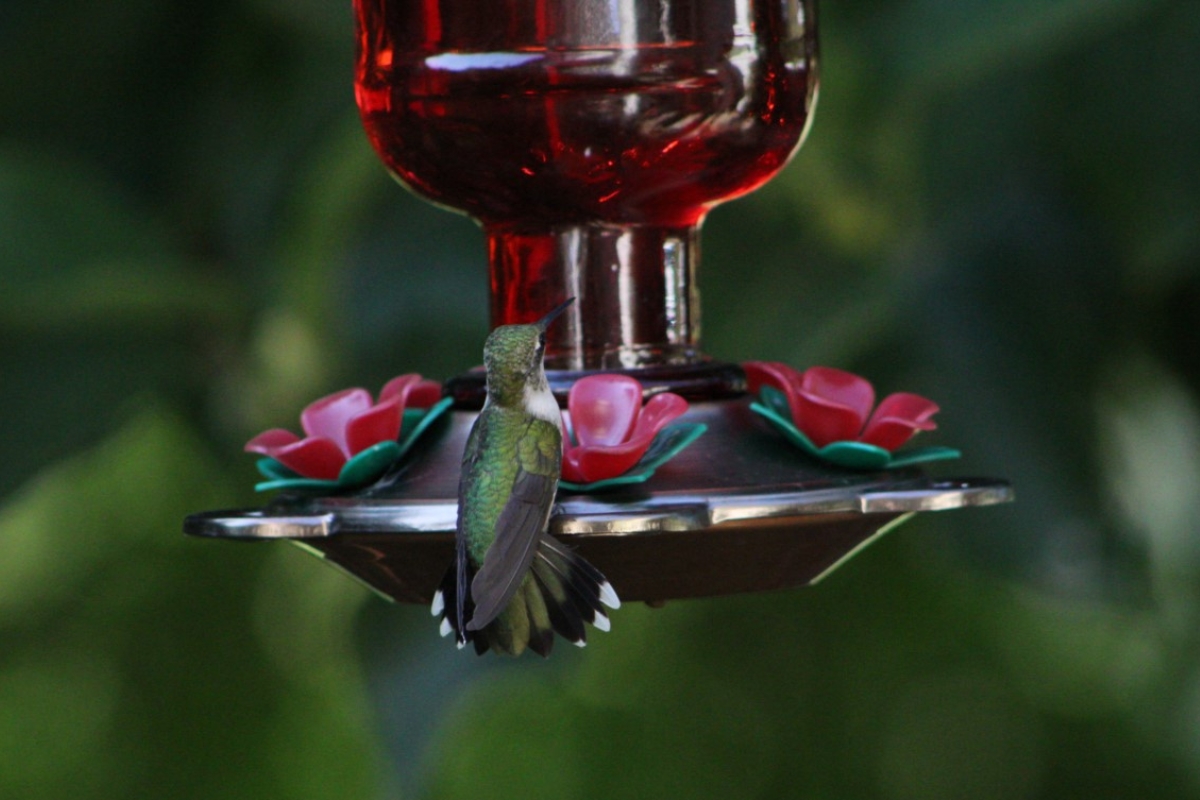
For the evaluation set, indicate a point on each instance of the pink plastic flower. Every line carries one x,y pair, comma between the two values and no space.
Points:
612,429
342,425
829,405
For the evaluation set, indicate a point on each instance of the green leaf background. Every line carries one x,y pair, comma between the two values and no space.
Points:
998,207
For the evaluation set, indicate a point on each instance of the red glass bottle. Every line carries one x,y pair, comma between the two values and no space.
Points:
589,138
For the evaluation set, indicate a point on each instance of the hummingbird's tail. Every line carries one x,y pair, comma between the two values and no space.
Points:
561,594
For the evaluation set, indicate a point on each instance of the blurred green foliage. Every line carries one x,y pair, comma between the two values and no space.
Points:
999,207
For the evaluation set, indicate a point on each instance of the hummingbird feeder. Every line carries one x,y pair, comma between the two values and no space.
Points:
590,138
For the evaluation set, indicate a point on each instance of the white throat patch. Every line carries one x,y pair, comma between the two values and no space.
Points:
540,402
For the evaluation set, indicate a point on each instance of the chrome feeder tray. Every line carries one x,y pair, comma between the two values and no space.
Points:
740,510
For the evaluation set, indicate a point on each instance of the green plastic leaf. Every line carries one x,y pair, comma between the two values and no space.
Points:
312,484
923,455
273,470
368,465
855,455
669,442
776,401
420,420
784,425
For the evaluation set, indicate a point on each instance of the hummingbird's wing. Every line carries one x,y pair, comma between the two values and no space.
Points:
460,588
520,525
462,596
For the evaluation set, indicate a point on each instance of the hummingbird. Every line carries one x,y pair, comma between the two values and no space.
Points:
513,585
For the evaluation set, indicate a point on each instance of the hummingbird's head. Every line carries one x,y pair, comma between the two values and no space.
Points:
513,356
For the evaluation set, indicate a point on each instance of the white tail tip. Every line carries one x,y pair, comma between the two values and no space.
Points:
608,595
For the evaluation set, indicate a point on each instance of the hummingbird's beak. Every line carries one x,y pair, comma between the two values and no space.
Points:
544,323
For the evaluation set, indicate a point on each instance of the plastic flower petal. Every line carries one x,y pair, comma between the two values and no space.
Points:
412,390
379,423
770,373
327,417
897,419
828,413
603,412
311,457
831,405
612,429
342,425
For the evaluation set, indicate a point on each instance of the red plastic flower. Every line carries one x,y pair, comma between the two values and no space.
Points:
342,425
612,430
829,405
